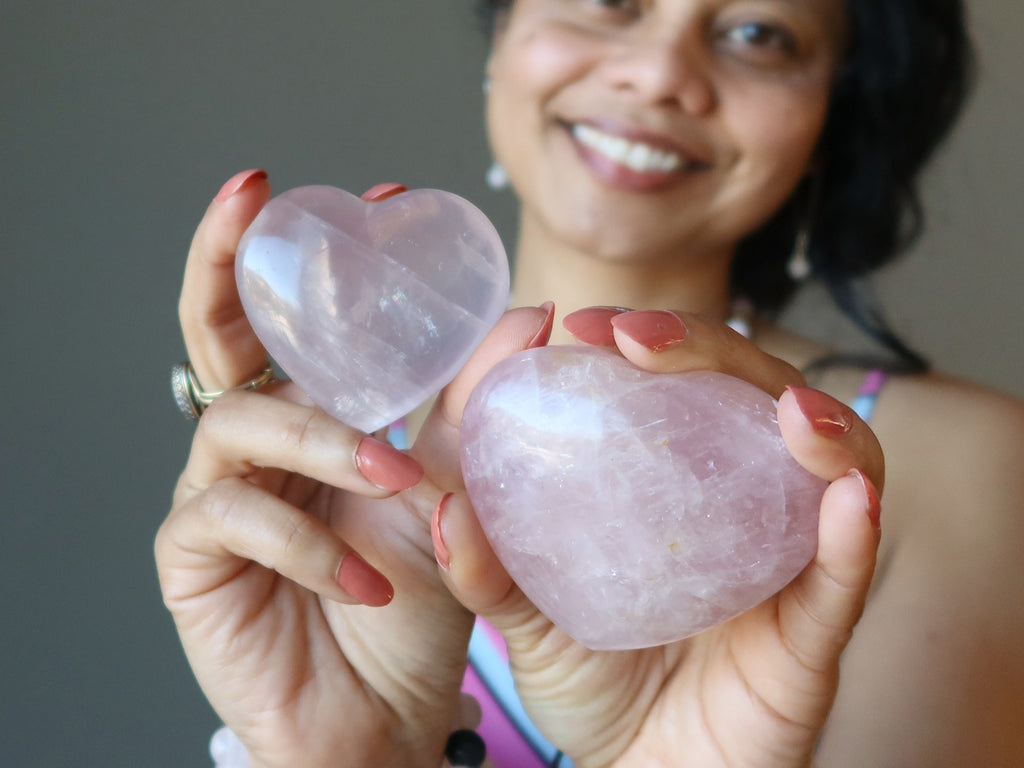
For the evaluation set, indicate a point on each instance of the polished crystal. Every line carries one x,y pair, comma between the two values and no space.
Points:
371,307
635,509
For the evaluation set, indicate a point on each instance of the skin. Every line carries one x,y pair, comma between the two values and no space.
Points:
249,554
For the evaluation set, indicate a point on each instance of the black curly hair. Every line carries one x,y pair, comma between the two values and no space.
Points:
897,94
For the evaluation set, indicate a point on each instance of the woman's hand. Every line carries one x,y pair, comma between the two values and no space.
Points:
755,691
296,559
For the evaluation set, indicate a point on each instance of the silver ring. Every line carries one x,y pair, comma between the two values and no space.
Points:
192,399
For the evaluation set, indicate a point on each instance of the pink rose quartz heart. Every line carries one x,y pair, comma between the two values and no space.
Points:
371,307
635,509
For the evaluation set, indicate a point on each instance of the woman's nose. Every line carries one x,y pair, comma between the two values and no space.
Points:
663,67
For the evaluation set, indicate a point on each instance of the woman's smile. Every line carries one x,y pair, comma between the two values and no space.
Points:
632,158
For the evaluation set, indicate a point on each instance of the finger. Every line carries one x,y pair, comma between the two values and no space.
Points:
827,437
437,446
819,609
517,330
205,543
471,569
221,344
593,325
671,342
243,431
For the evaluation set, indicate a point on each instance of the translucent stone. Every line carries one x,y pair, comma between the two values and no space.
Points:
635,509
371,307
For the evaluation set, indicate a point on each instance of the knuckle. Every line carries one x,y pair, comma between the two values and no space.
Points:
162,541
214,515
296,534
221,504
304,432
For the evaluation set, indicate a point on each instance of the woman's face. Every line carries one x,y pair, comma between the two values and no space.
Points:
651,127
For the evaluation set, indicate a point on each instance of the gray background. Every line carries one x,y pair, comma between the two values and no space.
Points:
118,122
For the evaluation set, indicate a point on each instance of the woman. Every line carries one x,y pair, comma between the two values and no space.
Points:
667,154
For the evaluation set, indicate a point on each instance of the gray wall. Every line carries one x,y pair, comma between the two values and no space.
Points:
119,121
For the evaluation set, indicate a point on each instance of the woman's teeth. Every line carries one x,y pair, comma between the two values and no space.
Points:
636,156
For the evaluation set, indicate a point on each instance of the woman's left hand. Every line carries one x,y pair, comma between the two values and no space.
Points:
754,691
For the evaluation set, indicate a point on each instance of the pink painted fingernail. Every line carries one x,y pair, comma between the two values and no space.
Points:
593,325
383,191
444,557
385,466
364,582
237,182
828,417
655,329
541,337
874,504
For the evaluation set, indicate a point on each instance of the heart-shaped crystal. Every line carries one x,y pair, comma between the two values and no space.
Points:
371,307
635,509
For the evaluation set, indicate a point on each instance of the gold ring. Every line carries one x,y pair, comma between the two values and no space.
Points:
192,399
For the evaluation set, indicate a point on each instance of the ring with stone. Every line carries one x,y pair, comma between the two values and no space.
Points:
192,399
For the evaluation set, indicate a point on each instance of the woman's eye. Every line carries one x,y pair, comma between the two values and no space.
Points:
625,6
765,36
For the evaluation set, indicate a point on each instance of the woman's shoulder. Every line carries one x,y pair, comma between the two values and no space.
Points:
935,422
936,656
923,421
954,449
954,492
951,445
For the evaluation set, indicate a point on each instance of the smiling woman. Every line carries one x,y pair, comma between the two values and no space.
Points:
680,166
740,126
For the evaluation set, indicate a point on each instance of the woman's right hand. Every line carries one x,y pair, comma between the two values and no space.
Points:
753,691
270,559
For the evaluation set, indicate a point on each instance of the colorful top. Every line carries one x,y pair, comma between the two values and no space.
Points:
513,741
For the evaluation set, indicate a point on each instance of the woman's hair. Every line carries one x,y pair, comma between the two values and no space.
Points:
897,94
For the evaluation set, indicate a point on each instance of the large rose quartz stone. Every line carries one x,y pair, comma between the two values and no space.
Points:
635,509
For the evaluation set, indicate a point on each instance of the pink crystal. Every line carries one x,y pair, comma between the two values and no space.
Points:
635,509
371,307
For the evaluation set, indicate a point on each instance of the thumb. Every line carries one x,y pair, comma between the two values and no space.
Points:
437,446
819,609
471,570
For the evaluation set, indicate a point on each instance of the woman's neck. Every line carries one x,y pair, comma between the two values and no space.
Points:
547,270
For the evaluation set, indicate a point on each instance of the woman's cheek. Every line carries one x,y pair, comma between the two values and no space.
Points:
784,129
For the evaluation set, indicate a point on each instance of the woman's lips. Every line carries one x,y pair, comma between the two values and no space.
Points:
635,155
626,158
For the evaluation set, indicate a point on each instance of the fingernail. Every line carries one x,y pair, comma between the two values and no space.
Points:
541,337
385,466
236,182
383,191
593,325
828,417
655,329
364,582
444,557
874,504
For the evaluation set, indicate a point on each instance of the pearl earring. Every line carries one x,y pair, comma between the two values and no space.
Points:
799,266
497,178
